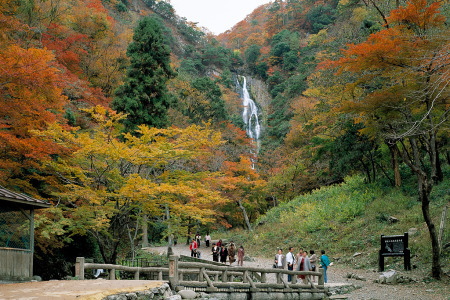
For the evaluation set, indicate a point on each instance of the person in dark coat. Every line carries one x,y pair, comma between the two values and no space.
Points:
215,252
223,254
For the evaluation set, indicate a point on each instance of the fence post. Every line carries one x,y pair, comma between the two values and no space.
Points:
244,276
173,271
294,279
79,268
320,280
112,274
224,276
200,274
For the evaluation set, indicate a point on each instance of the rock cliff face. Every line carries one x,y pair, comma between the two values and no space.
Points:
259,92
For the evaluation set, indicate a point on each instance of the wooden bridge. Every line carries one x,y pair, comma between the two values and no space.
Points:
259,283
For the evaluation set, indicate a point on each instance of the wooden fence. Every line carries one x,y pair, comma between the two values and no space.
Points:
15,263
81,265
213,278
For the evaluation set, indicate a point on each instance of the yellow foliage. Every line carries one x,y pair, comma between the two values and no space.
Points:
104,173
358,15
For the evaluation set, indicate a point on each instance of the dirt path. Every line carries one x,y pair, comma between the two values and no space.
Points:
337,275
73,289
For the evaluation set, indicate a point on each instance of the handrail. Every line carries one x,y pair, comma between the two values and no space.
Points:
81,265
242,269
178,269
251,278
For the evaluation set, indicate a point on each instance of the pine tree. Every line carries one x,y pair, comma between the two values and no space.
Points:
144,96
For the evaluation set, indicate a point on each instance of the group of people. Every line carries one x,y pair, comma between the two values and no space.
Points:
198,239
302,262
220,251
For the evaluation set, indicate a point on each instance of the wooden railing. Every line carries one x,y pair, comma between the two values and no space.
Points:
81,265
212,278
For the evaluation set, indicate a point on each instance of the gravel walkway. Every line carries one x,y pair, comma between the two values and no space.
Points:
337,275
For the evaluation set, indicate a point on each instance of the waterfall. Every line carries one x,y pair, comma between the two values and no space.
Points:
250,115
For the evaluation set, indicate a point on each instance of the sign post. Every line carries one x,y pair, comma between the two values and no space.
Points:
394,245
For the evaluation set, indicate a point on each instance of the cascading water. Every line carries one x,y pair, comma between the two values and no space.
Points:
250,115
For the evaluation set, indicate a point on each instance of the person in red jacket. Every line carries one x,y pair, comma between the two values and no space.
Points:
193,247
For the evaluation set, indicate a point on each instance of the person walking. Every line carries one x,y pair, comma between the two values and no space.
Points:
193,247
231,253
290,261
223,254
313,260
240,255
324,263
207,239
280,260
215,252
199,239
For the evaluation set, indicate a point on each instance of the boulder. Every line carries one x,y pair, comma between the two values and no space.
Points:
187,294
355,276
389,277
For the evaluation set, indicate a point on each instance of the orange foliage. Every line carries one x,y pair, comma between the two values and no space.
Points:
407,56
247,32
418,13
68,46
30,95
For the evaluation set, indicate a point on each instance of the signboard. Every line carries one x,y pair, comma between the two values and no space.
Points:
394,245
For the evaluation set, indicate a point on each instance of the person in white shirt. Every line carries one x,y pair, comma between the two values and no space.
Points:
207,239
290,261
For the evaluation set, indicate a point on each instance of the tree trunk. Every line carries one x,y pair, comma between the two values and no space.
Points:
395,164
189,226
144,231
170,235
425,185
424,192
439,172
244,212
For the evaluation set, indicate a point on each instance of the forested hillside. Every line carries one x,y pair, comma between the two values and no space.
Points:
358,87
126,116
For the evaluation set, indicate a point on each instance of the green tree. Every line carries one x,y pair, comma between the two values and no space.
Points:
215,109
251,57
320,17
144,96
